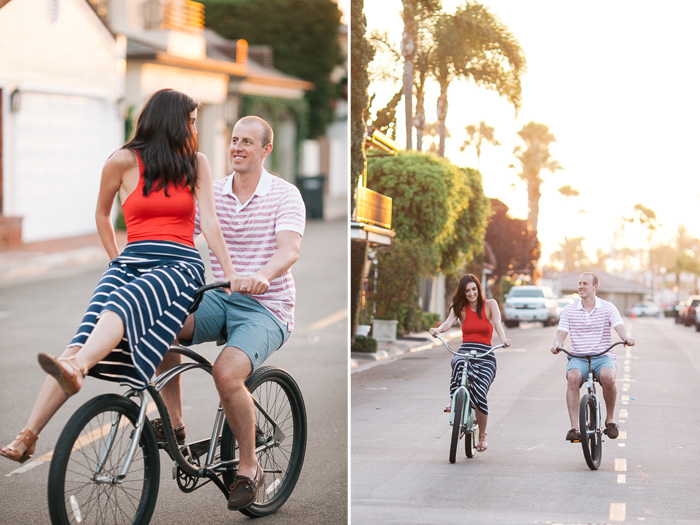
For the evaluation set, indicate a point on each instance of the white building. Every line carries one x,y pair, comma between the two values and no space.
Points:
61,80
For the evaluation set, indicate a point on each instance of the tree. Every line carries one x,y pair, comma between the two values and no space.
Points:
571,254
513,242
534,158
385,121
303,35
423,69
476,137
439,214
361,55
567,191
413,12
475,44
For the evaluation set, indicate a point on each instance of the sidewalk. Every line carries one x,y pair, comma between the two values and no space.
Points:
27,261
387,352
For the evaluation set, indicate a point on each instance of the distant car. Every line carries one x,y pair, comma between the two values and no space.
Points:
530,303
645,309
687,311
566,300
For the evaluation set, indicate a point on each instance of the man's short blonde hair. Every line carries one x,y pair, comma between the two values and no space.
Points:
267,135
594,277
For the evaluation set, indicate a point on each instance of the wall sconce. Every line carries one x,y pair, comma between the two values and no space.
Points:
15,101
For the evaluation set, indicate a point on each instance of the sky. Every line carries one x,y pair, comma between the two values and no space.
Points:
617,85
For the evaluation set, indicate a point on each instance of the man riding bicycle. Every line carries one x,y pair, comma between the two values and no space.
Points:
588,322
262,218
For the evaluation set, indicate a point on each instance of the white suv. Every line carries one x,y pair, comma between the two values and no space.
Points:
530,303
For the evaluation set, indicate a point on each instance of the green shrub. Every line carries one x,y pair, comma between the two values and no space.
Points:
367,345
430,320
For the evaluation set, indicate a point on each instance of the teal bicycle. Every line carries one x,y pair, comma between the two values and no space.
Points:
463,413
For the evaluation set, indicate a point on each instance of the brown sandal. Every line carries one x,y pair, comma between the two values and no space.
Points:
29,439
482,445
55,368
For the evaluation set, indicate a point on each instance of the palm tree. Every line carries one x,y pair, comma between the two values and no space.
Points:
534,158
475,44
413,12
477,137
424,68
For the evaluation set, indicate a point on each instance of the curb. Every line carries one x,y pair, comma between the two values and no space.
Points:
20,267
392,353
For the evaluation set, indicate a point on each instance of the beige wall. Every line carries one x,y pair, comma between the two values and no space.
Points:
75,51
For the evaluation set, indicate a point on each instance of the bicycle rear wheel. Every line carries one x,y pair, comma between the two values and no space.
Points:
457,424
591,439
279,395
79,494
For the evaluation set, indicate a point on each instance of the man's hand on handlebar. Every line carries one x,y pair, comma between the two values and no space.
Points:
555,348
629,342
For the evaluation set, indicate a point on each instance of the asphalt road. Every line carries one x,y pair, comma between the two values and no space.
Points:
530,474
42,316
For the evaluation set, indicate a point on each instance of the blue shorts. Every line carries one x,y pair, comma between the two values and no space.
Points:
242,321
597,363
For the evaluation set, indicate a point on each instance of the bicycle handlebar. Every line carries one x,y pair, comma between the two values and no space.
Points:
559,349
211,286
473,352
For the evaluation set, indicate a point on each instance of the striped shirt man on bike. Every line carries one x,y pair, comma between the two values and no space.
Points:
588,322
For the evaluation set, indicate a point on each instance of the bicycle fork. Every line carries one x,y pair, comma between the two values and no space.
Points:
136,437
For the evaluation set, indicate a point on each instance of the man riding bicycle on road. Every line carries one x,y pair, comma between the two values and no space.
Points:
262,218
588,322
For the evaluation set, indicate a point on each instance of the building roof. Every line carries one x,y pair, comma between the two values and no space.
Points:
568,281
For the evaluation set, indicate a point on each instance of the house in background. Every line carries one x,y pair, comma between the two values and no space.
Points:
73,71
621,292
61,82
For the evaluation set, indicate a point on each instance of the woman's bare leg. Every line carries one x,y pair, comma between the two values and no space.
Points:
171,391
104,338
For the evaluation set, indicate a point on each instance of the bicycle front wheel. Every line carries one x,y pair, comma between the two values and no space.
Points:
82,492
591,439
278,395
457,421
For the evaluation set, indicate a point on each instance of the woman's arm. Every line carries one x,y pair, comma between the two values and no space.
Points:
110,182
492,305
449,323
209,223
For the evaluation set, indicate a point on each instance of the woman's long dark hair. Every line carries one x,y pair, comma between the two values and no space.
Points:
459,299
166,141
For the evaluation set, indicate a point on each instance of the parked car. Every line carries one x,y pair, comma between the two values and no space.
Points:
687,311
564,301
697,319
645,309
530,303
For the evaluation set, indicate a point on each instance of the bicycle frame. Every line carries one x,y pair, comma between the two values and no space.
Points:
466,422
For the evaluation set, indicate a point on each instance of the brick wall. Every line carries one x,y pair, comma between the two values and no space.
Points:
10,231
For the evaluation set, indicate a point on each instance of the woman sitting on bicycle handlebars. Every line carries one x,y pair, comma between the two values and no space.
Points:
142,300
478,318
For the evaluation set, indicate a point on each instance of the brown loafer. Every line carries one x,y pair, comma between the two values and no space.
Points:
573,435
612,430
159,431
243,490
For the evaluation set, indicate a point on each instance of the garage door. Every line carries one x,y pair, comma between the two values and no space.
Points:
61,143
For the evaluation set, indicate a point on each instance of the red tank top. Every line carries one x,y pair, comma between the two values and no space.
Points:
157,217
475,330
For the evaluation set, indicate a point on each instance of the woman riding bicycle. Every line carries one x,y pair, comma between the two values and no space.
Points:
478,318
142,300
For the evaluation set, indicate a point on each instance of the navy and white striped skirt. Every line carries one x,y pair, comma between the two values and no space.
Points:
481,372
151,287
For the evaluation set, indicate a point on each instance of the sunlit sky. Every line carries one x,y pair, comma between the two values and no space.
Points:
616,83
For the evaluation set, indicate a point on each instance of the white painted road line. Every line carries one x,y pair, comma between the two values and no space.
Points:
622,478
620,465
623,414
618,512
328,321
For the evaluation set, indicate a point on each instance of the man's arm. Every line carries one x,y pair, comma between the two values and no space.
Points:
287,253
621,330
559,341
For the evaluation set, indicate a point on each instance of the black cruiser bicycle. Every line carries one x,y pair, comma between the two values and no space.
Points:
106,465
